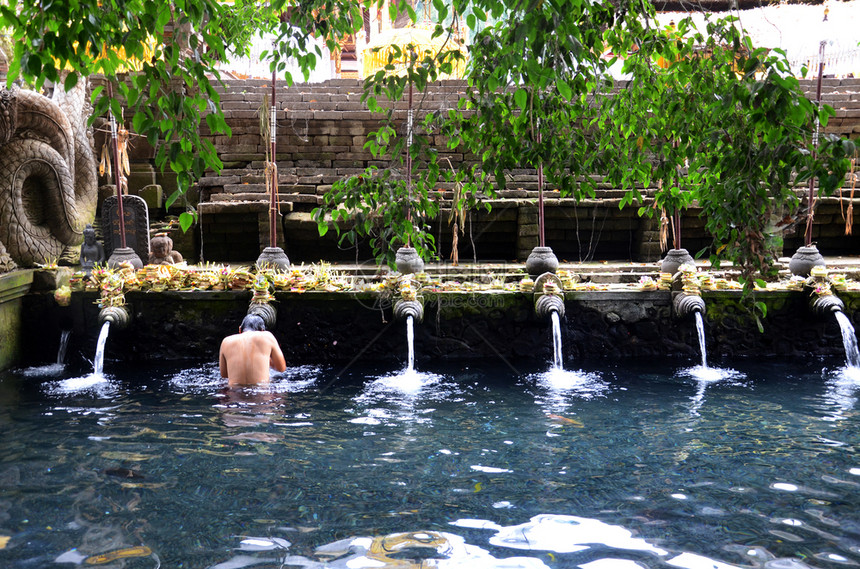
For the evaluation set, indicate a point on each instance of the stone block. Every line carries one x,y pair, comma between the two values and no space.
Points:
13,286
141,175
168,183
527,230
45,280
153,195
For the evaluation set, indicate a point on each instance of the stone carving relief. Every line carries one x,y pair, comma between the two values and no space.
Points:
48,183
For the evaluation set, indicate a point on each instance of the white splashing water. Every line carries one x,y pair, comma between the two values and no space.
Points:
700,327
849,340
98,364
64,344
410,341
557,362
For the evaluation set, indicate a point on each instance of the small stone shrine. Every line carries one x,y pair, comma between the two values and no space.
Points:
136,225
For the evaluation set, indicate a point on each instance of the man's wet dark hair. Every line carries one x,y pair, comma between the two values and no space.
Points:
252,323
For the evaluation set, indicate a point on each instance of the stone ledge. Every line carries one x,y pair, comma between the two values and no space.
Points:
15,284
209,208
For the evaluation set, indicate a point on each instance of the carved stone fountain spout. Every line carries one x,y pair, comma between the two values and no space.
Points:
548,295
687,304
265,311
118,316
413,308
823,305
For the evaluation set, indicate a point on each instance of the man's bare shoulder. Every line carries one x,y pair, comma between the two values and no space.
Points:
231,340
260,334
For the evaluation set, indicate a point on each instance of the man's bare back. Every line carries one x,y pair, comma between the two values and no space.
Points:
246,357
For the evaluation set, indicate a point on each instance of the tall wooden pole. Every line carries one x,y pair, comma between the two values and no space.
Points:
273,171
409,119
117,174
541,232
811,198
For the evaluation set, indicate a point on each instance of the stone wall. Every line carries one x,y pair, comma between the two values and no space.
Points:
13,287
334,328
322,129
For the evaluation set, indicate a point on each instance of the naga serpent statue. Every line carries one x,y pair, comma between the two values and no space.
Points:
48,179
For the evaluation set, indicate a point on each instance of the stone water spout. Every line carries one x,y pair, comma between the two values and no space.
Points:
405,308
686,304
265,311
822,301
260,302
118,316
548,296
823,305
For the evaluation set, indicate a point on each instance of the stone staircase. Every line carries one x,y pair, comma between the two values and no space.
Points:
322,129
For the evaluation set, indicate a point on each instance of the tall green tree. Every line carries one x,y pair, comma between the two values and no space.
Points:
394,205
757,148
535,89
719,121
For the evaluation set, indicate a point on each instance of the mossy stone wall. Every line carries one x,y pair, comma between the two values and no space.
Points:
320,327
13,287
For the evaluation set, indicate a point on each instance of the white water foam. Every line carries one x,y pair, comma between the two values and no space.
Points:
710,374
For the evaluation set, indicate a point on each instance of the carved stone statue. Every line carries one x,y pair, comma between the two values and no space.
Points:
48,183
92,251
161,251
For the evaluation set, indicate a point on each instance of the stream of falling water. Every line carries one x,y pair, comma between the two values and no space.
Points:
410,341
849,340
557,362
64,344
700,327
98,364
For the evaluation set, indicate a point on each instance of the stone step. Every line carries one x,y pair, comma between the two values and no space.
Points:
233,207
282,197
287,188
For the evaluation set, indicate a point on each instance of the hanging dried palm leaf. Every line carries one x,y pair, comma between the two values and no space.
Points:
457,217
105,168
265,131
122,148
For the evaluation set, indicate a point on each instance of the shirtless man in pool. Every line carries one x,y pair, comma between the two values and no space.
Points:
246,357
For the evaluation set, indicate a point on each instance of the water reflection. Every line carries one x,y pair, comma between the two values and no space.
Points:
406,550
842,389
248,406
372,456
710,374
111,530
705,377
561,534
543,533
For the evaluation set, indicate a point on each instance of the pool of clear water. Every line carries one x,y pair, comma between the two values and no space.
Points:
630,465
